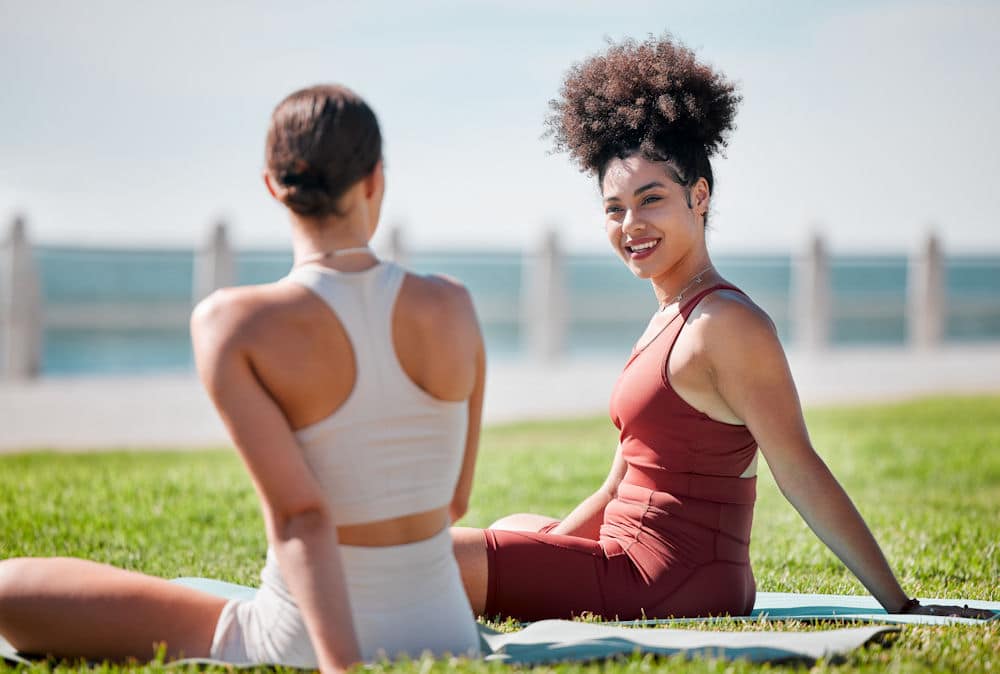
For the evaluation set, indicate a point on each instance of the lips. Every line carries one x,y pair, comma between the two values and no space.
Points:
640,248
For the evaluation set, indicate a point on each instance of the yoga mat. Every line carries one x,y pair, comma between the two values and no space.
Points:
769,605
839,607
8,653
550,641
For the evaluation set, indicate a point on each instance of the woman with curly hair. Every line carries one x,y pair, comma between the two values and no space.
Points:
668,532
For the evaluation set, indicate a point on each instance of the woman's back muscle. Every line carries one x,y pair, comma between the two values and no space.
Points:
304,358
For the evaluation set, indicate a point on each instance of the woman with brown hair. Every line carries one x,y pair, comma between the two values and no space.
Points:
668,532
353,391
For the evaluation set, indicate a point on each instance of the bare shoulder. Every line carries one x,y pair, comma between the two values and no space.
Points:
437,337
237,315
731,325
727,310
438,296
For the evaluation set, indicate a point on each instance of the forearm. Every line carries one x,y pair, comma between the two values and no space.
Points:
585,520
829,512
463,488
306,547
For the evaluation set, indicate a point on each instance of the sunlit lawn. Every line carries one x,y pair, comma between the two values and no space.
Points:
925,474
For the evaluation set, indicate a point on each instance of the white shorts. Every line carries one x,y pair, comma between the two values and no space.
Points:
405,600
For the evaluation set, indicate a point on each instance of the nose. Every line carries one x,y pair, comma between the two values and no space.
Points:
630,223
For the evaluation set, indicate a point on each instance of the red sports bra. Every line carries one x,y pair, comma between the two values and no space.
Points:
661,434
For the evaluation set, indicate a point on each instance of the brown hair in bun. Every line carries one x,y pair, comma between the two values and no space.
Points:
321,140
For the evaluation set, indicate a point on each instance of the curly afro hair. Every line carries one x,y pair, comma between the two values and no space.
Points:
651,98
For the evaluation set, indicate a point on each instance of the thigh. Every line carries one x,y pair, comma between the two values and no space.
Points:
77,608
533,576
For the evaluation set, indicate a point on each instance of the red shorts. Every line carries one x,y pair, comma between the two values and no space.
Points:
659,555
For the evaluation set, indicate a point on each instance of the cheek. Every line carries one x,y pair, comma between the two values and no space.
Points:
613,231
614,234
663,213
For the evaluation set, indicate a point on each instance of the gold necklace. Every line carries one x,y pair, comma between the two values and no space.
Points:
696,280
319,257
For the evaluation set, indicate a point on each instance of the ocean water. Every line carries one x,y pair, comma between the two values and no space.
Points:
125,311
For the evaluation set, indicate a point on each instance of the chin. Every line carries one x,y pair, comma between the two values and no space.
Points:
636,270
639,272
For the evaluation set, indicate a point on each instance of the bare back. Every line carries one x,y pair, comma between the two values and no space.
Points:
302,357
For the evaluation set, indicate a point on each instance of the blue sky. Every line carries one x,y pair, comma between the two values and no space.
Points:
129,123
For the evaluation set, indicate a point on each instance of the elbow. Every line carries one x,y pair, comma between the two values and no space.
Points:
805,474
302,523
458,509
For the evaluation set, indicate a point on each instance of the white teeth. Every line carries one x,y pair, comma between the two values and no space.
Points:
642,246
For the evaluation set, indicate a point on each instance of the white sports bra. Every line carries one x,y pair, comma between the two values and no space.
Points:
391,449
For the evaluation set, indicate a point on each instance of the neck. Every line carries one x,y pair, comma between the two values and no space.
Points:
341,243
681,279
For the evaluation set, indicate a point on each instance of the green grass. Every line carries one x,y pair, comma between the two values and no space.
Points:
925,474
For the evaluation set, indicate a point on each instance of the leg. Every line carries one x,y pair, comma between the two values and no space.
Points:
72,607
532,576
523,522
470,553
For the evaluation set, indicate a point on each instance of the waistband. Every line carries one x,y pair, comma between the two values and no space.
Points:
422,563
398,557
389,557
717,488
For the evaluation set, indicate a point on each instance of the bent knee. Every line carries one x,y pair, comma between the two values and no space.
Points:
26,578
12,587
506,520
523,522
12,572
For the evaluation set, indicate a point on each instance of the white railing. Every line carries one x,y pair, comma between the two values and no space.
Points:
20,306
543,313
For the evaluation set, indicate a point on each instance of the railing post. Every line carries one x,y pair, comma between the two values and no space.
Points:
214,265
811,292
396,246
544,301
925,289
20,306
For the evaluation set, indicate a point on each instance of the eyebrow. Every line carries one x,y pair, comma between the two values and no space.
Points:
644,188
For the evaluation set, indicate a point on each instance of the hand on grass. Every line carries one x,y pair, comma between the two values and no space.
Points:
951,611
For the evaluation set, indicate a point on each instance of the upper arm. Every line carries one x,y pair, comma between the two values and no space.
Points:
752,376
463,488
462,311
258,427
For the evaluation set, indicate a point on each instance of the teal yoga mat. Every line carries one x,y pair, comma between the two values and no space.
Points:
550,641
769,605
836,607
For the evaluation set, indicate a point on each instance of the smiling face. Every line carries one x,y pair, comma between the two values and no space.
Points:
656,225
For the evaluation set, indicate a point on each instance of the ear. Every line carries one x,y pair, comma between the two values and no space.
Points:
700,196
269,181
375,181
